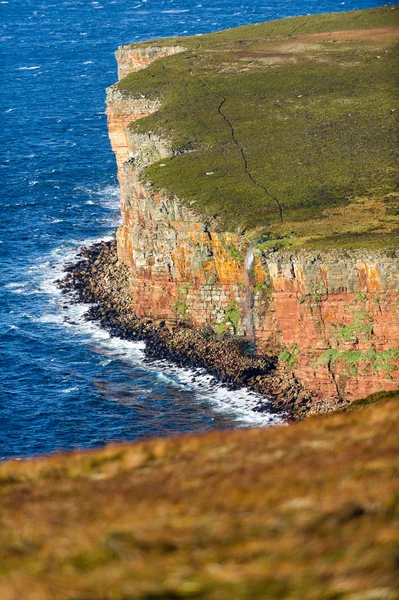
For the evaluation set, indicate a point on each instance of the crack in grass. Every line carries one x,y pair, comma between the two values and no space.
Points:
244,157
299,27
240,148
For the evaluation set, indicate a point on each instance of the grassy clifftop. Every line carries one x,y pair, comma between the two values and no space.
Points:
286,127
305,512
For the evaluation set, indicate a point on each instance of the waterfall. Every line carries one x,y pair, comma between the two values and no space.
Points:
249,277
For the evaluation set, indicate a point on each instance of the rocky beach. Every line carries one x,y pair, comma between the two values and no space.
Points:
101,280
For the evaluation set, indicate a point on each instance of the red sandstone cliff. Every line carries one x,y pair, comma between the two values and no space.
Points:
332,316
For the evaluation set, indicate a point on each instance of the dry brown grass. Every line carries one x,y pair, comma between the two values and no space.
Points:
301,512
372,218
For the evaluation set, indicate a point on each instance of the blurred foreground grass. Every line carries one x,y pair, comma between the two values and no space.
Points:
306,511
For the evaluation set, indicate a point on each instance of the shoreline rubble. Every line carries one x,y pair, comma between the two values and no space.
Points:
98,278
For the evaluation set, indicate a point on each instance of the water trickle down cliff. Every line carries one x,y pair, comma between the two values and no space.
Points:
249,281
333,317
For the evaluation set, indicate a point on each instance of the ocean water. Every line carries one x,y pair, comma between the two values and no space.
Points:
65,383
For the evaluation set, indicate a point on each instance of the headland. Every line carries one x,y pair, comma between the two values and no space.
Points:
259,208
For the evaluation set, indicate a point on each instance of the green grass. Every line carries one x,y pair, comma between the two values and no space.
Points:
358,361
314,117
354,241
359,19
377,398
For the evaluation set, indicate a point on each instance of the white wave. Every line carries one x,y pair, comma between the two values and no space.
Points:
108,198
50,318
24,292
25,315
171,381
69,390
240,404
19,287
104,362
28,68
12,285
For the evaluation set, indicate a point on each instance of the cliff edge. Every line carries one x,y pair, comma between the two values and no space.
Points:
257,173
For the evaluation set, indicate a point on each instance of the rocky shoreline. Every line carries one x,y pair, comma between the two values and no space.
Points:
98,278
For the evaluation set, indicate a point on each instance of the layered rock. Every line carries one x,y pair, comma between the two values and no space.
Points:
337,317
133,59
333,317
183,269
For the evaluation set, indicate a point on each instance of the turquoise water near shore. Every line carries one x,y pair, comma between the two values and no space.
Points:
64,383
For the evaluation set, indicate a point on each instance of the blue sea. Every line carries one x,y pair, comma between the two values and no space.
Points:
64,383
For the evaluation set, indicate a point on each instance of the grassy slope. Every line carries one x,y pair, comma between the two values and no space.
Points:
301,512
311,111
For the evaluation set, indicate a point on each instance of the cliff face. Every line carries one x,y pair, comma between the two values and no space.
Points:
337,317
133,60
183,269
332,316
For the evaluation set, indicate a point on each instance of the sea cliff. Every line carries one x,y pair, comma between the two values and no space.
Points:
331,315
